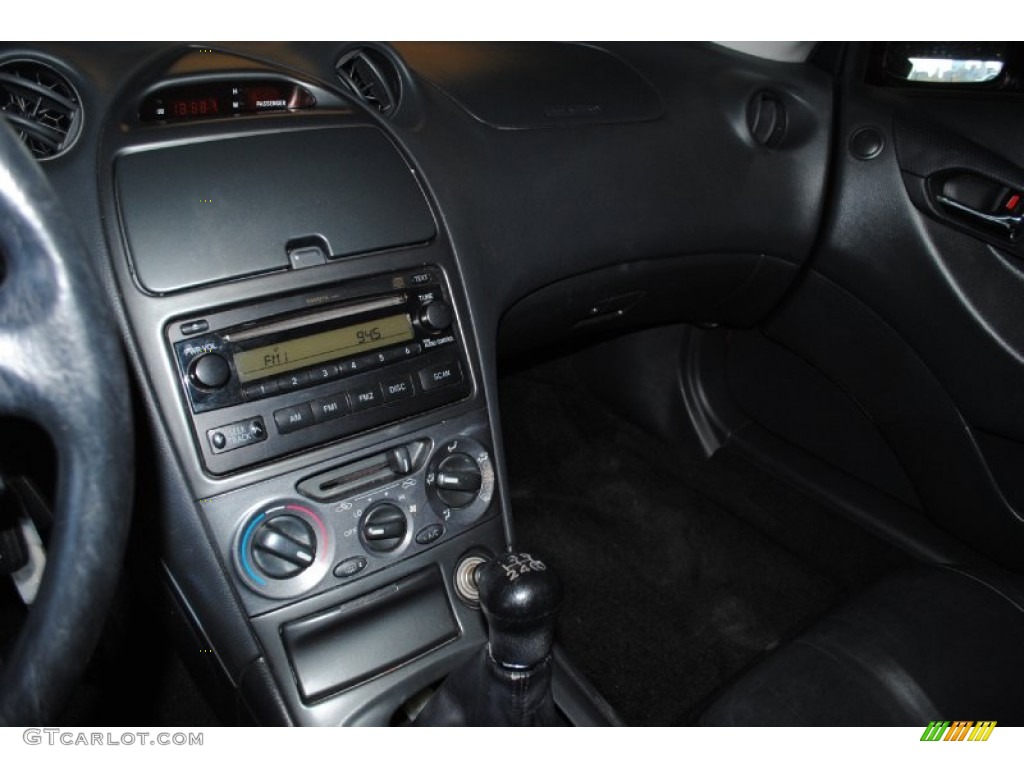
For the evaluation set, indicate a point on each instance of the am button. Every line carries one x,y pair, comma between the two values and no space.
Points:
294,418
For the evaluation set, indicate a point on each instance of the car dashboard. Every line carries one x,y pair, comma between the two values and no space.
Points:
318,255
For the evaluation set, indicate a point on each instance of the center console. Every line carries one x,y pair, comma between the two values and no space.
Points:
326,478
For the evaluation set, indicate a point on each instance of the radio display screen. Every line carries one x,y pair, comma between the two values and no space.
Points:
321,347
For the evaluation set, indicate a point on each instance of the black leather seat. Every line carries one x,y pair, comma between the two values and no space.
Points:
933,643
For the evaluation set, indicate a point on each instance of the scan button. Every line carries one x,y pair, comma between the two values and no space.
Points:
443,375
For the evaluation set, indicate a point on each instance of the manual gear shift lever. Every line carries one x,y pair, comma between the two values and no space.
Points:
509,681
520,597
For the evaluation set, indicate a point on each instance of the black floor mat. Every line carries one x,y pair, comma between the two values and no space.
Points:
679,573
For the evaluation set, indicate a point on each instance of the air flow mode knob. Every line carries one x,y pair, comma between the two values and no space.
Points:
457,480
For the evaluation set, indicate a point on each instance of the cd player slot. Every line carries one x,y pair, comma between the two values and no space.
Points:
371,472
315,318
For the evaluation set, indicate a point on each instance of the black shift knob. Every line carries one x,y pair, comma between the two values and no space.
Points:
520,596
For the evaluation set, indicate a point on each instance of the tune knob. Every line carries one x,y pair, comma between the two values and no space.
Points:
435,317
210,371
283,546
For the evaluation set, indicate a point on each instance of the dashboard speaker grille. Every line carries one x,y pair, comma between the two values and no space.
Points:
41,105
371,77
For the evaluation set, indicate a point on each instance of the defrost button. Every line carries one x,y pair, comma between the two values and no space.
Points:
350,567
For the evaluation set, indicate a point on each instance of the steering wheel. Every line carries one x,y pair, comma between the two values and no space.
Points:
62,367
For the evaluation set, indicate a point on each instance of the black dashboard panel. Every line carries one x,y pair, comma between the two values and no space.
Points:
250,200
533,85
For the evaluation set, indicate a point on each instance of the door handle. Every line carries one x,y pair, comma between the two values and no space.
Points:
1010,224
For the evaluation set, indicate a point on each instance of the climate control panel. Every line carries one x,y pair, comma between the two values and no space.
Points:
337,522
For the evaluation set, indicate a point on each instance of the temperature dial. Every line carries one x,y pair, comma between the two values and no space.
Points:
283,550
283,546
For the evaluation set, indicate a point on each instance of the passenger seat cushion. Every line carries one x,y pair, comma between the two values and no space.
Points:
933,643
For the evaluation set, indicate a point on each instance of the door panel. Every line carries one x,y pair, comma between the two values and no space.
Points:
915,311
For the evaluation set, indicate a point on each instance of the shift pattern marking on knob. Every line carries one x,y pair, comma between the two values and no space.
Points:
516,565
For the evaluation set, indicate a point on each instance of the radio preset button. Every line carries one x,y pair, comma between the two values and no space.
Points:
322,373
442,375
358,364
270,387
294,418
327,408
369,361
210,371
397,389
252,391
290,381
365,397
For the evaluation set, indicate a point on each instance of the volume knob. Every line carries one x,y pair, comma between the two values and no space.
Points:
210,371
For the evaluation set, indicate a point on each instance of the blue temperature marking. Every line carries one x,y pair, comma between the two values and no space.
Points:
245,549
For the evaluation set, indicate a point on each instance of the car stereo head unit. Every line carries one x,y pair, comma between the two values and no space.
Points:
264,380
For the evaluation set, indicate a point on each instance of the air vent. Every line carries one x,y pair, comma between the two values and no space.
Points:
41,105
372,78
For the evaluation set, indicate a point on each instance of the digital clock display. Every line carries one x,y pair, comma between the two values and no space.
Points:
185,108
305,351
